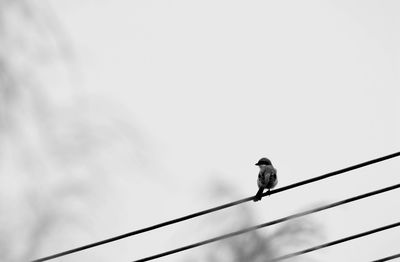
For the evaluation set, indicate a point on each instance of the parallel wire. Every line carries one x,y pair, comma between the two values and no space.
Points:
280,220
345,239
214,209
387,258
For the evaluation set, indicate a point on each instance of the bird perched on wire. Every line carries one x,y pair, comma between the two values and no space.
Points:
267,177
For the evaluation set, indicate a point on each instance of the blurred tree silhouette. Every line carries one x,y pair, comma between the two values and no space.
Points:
52,152
255,246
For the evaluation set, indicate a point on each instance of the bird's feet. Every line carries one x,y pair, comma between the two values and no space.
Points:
257,198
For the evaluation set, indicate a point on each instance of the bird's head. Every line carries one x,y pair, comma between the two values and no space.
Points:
264,162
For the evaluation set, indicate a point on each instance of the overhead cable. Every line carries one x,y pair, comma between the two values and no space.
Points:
214,209
252,228
363,234
387,258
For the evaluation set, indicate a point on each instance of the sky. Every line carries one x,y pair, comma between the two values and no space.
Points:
212,86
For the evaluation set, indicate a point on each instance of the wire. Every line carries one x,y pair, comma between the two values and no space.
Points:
246,230
210,210
193,215
363,234
387,258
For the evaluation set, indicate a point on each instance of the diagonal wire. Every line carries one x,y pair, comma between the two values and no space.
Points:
345,239
214,209
280,220
387,258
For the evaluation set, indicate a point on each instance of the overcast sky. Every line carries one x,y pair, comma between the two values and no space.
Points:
215,85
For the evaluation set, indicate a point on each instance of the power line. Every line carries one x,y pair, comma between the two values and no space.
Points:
387,258
363,234
210,210
249,229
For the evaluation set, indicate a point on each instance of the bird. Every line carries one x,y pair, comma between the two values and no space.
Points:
267,177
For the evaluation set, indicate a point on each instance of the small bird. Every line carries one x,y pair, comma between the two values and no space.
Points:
267,177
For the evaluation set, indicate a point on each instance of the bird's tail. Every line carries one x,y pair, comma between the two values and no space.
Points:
258,196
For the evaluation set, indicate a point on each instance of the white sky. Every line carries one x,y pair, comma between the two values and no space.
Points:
215,85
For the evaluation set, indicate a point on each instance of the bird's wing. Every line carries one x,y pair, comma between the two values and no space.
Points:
271,170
